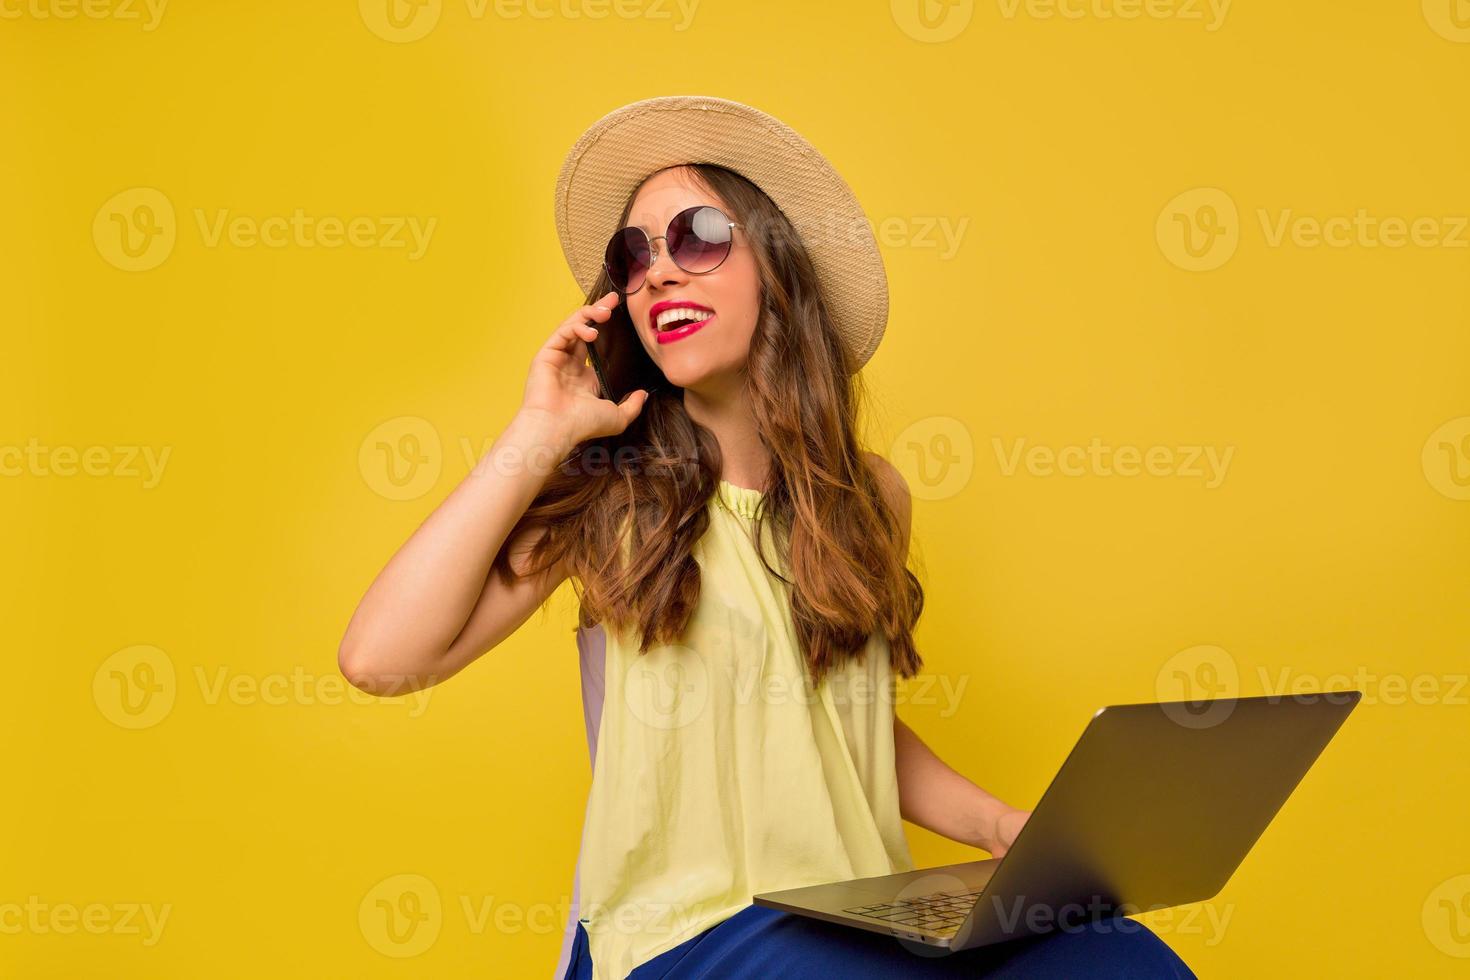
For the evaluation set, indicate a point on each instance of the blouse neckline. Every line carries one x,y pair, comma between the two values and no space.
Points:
743,501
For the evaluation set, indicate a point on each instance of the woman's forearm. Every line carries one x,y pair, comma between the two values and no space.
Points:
420,601
937,798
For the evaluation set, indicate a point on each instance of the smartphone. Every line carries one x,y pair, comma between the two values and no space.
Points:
621,363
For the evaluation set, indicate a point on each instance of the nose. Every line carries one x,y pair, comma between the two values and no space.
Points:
662,271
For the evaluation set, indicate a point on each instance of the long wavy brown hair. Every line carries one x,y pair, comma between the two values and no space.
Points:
842,541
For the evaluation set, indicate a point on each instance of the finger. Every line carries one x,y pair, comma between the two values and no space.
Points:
568,336
598,311
630,407
577,326
584,325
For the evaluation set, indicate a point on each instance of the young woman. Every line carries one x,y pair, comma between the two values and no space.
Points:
741,562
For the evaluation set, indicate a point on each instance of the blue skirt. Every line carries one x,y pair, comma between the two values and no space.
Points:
758,943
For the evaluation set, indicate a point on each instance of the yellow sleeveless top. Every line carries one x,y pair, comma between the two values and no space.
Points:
720,773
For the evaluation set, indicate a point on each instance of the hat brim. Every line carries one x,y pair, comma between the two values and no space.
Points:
619,151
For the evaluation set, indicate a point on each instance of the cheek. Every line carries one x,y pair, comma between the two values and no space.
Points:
740,327
741,296
637,309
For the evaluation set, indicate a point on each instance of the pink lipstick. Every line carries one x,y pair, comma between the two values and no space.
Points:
678,310
679,333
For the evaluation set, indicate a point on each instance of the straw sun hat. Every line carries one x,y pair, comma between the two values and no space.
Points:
628,144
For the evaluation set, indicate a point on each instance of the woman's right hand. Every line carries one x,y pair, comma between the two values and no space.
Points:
562,386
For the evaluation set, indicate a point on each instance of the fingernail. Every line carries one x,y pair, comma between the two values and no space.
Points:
599,306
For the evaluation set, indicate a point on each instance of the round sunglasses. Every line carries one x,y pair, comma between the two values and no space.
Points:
698,239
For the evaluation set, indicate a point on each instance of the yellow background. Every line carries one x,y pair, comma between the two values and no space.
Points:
271,816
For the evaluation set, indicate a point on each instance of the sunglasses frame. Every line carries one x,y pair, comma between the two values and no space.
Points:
653,255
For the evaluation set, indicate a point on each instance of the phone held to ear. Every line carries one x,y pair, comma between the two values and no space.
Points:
621,363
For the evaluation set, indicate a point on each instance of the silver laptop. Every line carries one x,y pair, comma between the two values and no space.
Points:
1155,806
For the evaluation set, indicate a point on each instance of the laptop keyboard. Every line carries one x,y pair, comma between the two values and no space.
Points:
940,912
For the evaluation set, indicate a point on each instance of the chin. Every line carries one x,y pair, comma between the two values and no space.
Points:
685,376
713,378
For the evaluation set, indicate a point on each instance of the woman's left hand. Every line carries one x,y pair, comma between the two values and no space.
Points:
1007,826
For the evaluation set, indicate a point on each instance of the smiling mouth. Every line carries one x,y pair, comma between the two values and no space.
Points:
667,333
693,317
673,316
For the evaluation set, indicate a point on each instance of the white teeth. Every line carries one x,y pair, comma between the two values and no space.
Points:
680,313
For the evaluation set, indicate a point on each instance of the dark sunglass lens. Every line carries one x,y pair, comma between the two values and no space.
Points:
699,239
627,259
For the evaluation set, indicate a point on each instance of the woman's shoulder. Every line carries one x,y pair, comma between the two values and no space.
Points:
888,475
894,487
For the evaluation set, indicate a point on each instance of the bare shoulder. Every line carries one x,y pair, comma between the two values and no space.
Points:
895,487
888,474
